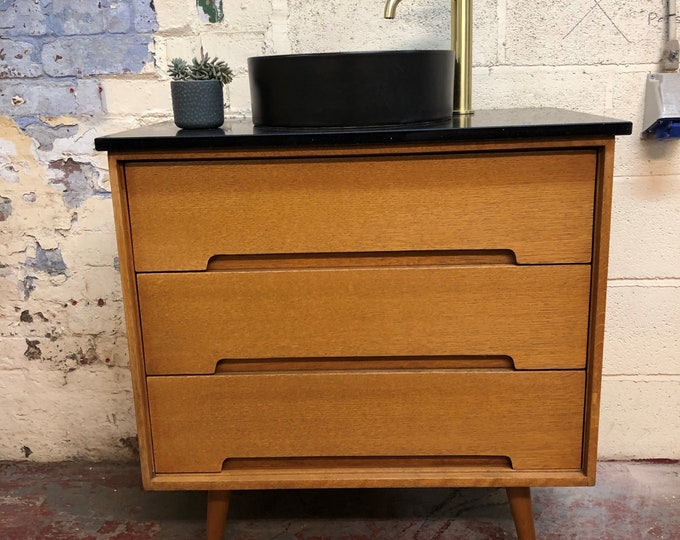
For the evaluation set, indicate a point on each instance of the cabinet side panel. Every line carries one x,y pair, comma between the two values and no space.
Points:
598,297
131,306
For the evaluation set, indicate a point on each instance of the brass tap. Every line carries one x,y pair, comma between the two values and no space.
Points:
461,43
391,8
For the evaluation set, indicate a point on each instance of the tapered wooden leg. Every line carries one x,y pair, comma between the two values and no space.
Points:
520,505
218,506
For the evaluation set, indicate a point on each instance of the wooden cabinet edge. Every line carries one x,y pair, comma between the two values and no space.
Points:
164,482
605,147
132,319
601,235
556,143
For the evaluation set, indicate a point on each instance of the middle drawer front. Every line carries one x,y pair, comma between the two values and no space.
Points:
536,315
535,419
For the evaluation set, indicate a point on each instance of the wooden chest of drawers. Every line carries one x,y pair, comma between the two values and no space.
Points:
378,316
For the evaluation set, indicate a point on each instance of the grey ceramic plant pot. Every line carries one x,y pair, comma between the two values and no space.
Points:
197,104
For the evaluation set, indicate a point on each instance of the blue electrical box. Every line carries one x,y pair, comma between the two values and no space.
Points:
662,106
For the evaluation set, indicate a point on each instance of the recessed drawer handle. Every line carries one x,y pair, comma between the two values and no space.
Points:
373,363
373,463
362,259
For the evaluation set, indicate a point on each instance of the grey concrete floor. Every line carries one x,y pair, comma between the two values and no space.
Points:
86,501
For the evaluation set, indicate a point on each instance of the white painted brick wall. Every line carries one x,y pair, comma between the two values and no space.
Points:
75,400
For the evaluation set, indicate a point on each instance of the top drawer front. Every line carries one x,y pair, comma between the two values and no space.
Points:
537,204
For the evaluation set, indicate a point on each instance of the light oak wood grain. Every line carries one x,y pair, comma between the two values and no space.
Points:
218,507
378,476
536,315
520,504
539,205
369,311
598,306
131,307
533,418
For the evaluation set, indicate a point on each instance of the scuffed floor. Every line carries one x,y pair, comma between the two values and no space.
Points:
84,501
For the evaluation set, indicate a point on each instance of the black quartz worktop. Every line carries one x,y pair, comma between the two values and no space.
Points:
485,124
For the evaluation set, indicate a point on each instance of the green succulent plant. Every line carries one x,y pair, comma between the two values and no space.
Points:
202,68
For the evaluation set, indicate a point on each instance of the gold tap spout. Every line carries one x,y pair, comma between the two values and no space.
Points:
461,43
391,8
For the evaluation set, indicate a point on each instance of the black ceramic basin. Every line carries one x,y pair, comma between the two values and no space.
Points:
352,89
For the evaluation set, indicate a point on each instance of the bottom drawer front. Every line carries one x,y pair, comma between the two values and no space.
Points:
533,418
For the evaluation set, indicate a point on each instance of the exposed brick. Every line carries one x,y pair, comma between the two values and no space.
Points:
22,18
41,97
16,60
89,97
85,56
69,18
145,16
71,41
50,98
119,19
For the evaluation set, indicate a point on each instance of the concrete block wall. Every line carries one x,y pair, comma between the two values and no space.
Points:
71,71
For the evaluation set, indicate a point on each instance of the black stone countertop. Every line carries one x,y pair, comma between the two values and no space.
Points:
484,124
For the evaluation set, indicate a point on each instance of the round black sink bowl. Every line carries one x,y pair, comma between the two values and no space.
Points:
352,89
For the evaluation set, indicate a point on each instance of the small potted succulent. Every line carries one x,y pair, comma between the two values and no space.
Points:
196,89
